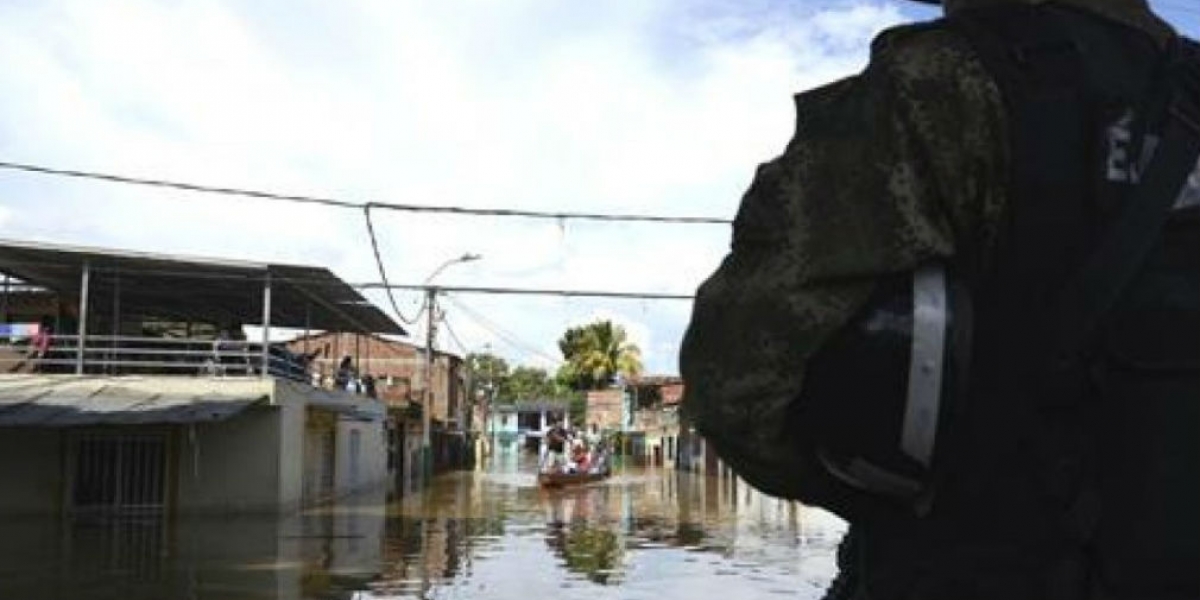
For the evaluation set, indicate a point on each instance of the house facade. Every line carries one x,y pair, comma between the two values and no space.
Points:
195,445
133,389
522,425
646,411
397,372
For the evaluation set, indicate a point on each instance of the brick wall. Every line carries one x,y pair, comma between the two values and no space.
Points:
605,408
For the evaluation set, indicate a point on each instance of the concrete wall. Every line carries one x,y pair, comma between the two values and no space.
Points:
31,471
291,454
250,462
361,464
233,465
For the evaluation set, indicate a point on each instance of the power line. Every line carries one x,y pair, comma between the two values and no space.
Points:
337,203
454,337
502,334
256,276
383,272
537,292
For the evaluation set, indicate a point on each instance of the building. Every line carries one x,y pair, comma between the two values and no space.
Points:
149,399
608,409
656,418
646,411
521,425
397,372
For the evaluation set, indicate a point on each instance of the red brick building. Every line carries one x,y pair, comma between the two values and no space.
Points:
398,369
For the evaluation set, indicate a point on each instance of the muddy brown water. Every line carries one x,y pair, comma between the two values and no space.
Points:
486,534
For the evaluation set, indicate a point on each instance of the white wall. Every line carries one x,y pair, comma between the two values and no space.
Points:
31,470
232,465
291,454
369,468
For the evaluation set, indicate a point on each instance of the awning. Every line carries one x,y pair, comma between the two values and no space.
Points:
46,402
197,289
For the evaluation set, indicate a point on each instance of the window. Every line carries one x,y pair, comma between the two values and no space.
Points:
119,472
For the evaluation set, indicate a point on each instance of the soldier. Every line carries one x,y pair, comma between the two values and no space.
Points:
961,309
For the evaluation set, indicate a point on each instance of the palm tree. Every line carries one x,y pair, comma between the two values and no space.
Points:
595,353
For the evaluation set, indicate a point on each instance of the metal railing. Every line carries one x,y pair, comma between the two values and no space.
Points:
129,355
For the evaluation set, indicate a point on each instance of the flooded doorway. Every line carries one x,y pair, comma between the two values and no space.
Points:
117,473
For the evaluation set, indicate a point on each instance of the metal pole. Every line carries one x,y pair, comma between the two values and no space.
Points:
266,339
116,324
83,310
307,324
427,407
4,299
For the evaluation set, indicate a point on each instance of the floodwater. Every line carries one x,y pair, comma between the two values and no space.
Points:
491,533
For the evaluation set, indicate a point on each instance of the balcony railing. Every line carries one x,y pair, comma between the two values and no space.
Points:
126,355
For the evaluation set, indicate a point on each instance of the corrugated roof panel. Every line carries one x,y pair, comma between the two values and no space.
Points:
207,290
94,403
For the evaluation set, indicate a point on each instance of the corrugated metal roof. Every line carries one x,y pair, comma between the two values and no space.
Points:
59,402
200,289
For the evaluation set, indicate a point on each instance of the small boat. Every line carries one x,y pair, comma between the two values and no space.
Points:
554,480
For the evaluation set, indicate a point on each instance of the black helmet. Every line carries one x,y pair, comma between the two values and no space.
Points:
876,394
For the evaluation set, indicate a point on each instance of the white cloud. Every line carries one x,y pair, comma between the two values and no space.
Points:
651,106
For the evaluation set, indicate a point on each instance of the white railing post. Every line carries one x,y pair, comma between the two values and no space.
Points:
83,311
266,339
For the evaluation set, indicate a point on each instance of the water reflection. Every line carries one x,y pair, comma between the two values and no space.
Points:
490,534
579,537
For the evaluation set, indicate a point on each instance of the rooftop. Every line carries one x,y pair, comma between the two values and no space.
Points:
197,289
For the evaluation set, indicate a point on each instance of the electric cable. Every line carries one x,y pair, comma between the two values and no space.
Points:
453,336
337,203
507,337
256,275
383,272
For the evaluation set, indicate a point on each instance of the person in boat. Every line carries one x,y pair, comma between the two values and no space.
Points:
556,444
580,458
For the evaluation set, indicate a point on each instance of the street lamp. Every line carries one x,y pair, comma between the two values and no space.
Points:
467,257
427,405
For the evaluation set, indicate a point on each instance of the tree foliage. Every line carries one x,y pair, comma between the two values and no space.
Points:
489,373
492,376
529,383
595,354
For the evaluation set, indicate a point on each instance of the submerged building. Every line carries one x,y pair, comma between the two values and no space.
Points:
128,385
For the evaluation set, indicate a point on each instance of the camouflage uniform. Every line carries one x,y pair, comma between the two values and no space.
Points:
903,163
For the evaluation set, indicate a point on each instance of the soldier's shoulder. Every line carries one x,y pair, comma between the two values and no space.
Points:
906,36
932,40
931,50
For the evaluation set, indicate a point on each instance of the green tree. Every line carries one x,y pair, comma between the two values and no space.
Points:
528,383
594,354
488,372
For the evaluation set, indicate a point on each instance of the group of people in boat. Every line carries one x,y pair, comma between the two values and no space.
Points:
570,451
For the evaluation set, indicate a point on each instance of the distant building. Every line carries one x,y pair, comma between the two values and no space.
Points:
522,425
608,409
148,398
645,409
397,372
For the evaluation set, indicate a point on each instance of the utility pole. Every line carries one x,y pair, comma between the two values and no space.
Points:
427,406
430,332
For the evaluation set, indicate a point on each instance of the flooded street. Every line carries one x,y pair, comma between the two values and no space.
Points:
491,533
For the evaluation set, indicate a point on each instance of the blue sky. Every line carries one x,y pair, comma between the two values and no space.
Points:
650,106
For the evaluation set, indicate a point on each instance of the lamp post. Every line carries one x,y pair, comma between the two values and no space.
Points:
431,321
